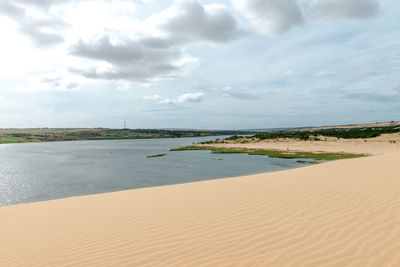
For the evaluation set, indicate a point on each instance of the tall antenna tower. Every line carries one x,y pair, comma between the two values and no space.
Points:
124,123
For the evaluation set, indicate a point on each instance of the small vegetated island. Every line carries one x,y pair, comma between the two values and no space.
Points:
157,155
320,134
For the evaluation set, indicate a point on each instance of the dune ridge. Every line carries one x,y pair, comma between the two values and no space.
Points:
341,213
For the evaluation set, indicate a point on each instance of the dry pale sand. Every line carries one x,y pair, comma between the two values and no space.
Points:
340,213
385,143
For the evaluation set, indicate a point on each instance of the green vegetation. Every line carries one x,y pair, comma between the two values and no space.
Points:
365,132
51,135
306,135
274,153
8,140
309,162
213,149
157,156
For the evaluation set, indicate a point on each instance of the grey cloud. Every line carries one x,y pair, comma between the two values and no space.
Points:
50,80
278,16
59,83
9,9
145,58
41,3
134,60
397,89
46,4
242,96
42,32
49,3
359,9
128,52
39,37
71,86
271,16
193,22
133,73
56,82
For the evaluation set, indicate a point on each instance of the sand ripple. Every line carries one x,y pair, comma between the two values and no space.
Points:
343,213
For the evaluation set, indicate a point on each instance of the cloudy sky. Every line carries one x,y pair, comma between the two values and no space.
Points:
217,64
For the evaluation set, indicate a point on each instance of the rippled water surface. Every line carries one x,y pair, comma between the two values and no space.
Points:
44,171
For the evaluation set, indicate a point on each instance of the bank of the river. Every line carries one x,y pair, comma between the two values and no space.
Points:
340,213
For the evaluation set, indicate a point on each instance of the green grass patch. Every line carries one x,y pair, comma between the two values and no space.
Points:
305,155
157,156
274,153
10,140
345,133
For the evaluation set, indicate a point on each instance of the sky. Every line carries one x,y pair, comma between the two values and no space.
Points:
199,64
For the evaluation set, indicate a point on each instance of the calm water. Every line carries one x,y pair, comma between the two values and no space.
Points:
44,171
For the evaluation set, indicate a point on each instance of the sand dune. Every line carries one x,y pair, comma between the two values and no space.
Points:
341,213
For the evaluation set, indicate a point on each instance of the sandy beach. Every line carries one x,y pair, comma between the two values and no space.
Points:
339,213
385,143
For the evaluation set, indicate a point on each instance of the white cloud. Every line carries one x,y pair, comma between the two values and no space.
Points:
270,16
41,26
185,98
190,97
167,101
116,15
158,51
330,9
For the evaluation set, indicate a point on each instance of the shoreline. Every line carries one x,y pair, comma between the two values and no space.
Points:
40,135
384,143
340,213
272,153
105,139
